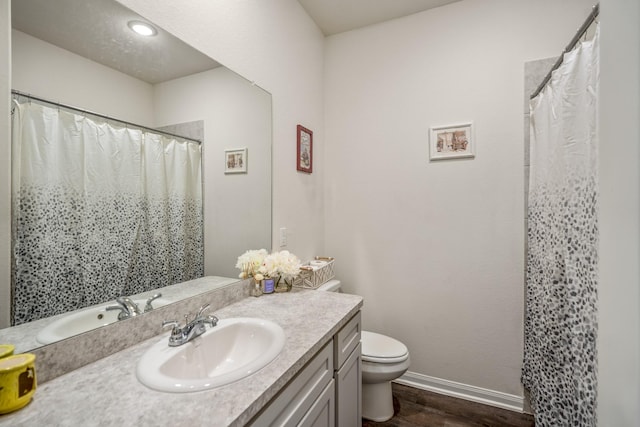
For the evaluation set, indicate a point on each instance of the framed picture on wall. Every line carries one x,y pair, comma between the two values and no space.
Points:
304,158
235,160
451,142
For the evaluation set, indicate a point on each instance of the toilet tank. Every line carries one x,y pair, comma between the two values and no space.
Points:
330,286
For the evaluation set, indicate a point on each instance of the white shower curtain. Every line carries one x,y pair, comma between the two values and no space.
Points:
561,318
99,211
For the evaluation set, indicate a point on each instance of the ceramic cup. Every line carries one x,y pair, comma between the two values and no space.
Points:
17,381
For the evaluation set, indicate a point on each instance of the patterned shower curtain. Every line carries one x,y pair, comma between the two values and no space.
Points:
99,211
561,318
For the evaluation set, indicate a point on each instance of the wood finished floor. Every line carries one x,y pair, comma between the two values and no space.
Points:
414,407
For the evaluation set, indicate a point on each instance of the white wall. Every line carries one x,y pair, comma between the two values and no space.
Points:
277,45
46,71
437,248
619,289
236,114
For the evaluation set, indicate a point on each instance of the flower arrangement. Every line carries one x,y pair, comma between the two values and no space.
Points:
281,263
259,264
249,263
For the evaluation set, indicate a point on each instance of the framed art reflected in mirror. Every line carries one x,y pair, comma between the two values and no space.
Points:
304,158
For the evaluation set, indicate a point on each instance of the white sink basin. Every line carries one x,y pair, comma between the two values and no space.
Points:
85,320
232,350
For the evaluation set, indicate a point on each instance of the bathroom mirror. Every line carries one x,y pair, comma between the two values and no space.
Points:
65,50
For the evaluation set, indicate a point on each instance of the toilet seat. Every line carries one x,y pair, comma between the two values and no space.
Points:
378,348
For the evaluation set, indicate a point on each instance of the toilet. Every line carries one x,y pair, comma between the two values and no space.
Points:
383,360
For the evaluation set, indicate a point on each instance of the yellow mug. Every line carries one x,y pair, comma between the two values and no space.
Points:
17,381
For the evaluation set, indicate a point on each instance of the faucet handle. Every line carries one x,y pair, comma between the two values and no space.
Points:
176,337
173,323
175,326
148,306
202,309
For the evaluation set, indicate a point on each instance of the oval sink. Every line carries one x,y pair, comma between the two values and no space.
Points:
232,350
85,320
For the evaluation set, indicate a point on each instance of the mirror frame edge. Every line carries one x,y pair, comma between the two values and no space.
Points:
5,154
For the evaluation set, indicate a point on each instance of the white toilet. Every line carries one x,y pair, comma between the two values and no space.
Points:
383,360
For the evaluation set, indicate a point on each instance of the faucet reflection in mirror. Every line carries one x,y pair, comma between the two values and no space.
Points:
263,266
101,210
128,308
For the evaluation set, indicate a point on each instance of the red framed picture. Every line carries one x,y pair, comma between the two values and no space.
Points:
305,150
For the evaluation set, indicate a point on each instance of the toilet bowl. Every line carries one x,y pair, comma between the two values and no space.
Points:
383,360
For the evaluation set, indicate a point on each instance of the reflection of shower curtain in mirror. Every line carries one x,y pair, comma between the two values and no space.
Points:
560,364
99,211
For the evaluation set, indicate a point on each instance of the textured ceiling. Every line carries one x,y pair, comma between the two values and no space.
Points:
97,30
337,16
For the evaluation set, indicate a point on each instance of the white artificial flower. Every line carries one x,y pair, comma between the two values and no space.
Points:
250,261
282,263
259,263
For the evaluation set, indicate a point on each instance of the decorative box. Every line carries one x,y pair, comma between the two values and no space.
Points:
312,276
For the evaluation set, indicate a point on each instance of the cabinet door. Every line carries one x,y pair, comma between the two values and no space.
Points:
293,402
349,391
322,412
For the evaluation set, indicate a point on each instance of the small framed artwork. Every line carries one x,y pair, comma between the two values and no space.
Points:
305,150
451,142
235,160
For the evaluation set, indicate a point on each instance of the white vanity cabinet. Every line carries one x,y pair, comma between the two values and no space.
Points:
315,381
327,391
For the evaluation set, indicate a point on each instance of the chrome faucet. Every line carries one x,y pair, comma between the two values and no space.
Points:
128,308
191,329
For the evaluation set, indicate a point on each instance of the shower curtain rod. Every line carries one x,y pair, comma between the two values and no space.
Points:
583,29
102,116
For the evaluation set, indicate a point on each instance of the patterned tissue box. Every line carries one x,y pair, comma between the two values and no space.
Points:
315,273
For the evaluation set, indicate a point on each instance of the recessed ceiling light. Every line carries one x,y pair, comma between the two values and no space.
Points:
142,28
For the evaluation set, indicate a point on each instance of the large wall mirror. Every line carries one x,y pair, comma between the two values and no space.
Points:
84,54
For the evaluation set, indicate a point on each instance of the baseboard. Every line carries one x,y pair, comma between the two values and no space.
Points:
463,391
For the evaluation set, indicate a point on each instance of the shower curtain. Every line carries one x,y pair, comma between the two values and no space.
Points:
561,319
99,211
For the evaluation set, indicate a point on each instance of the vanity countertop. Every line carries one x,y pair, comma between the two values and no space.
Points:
107,392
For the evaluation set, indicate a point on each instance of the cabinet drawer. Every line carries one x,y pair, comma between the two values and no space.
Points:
346,340
294,401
